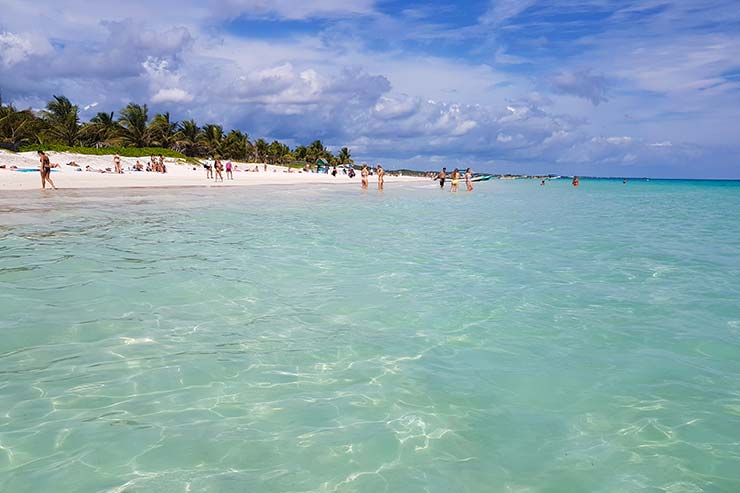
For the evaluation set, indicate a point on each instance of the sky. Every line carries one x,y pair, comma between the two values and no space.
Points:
588,87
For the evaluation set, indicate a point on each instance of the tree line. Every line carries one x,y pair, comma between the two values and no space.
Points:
59,124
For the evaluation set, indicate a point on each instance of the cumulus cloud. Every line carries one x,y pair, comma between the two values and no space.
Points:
16,48
376,85
582,83
172,95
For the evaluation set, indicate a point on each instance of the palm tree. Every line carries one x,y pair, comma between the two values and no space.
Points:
101,129
317,150
17,127
300,153
345,156
234,145
63,120
133,121
260,150
188,135
278,152
163,131
211,138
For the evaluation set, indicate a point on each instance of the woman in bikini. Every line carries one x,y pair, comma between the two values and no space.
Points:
45,170
455,180
219,168
468,177
364,174
381,177
117,163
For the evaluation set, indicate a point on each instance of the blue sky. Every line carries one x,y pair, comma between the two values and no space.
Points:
591,87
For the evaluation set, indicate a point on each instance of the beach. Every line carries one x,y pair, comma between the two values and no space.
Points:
179,174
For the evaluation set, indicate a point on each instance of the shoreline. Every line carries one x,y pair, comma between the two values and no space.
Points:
178,175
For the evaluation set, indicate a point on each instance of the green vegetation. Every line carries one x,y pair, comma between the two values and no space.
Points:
134,134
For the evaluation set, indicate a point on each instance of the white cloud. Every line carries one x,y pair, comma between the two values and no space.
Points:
292,10
583,84
172,95
500,11
16,48
357,82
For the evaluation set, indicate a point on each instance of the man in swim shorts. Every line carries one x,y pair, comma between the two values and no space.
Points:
441,177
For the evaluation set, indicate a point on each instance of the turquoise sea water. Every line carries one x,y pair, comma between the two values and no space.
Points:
516,339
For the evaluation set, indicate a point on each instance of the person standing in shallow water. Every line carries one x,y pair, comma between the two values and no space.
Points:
455,180
441,177
468,179
45,170
575,181
381,177
364,174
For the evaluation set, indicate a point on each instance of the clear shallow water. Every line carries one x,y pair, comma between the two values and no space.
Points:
520,338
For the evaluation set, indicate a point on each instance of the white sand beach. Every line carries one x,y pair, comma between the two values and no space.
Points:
179,174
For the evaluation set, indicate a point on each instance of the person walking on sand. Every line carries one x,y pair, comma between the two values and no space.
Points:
468,179
364,174
455,180
209,171
229,174
45,170
117,163
441,177
381,177
219,168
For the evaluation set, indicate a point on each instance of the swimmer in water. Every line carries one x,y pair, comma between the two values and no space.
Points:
575,181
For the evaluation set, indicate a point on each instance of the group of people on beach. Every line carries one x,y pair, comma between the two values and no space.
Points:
155,164
455,179
215,170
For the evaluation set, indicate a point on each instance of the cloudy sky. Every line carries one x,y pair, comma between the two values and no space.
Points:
591,87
